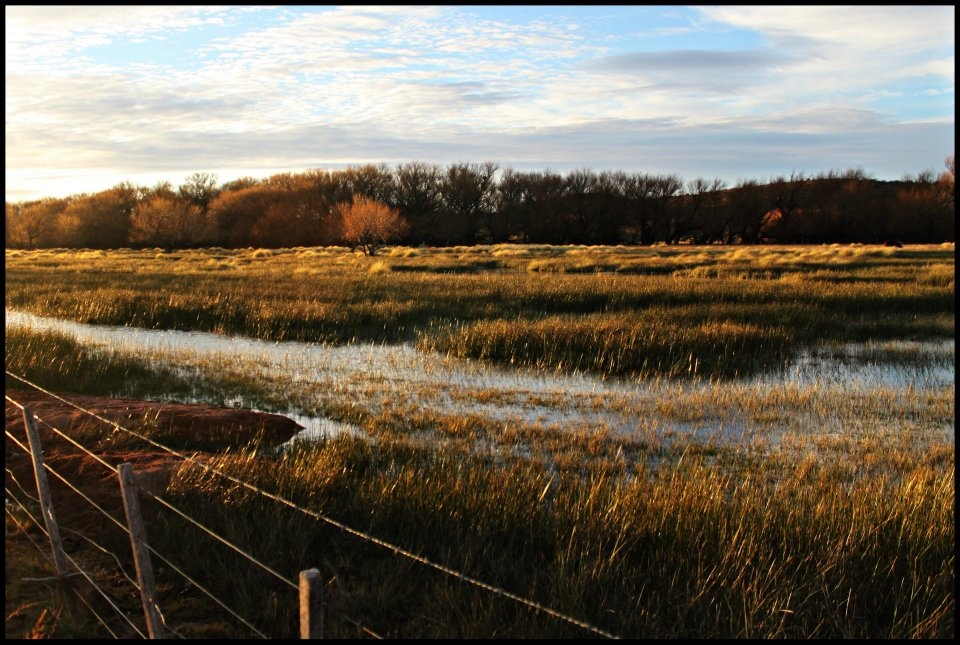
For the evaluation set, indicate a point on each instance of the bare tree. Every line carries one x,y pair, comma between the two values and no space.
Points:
233,214
200,188
100,220
698,218
947,185
417,195
467,193
373,181
368,224
33,225
167,220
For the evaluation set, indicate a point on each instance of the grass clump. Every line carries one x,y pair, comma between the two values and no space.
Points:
641,345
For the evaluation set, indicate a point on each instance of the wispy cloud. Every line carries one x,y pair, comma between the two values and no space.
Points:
108,94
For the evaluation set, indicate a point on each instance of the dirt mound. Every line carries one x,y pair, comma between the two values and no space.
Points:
196,418
152,466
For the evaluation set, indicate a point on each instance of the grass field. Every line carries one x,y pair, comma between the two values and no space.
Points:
711,311
845,530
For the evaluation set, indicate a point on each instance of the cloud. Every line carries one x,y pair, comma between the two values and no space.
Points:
701,71
903,29
855,45
295,87
43,35
680,61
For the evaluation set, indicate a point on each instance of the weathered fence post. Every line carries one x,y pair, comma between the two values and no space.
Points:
311,604
141,556
46,503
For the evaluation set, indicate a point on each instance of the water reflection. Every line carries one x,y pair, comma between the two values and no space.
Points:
400,377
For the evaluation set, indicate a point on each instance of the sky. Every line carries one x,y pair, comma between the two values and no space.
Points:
100,95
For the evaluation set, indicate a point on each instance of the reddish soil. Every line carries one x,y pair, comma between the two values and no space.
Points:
151,466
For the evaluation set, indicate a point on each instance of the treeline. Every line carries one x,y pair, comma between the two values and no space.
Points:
472,203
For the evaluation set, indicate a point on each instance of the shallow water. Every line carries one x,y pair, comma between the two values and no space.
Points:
380,377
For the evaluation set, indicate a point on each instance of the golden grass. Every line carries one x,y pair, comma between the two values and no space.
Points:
830,494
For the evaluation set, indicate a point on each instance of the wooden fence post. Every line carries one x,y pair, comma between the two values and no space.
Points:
141,556
43,489
311,604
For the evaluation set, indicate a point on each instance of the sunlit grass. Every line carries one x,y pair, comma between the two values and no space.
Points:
604,524
726,509
61,363
689,551
649,343
332,295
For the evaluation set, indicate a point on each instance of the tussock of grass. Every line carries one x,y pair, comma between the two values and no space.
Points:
646,344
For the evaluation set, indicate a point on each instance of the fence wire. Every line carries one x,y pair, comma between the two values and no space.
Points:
395,549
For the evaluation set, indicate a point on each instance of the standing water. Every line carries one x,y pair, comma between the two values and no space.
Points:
382,378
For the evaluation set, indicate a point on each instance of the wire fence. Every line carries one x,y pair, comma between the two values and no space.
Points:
118,590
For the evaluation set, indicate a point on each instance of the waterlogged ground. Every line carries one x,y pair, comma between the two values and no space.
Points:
893,391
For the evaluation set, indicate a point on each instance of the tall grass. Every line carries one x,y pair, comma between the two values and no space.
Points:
847,534
655,342
776,550
63,364
708,311
686,552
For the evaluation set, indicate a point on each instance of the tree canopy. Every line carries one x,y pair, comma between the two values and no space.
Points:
418,203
